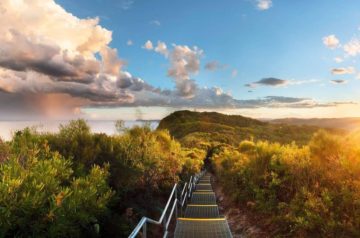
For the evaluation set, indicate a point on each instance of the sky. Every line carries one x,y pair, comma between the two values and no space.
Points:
131,59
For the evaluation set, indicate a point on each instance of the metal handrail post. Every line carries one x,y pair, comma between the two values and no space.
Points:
176,205
144,234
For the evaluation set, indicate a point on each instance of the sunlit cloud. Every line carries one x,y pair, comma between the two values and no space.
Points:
352,48
263,4
162,48
331,41
340,71
57,56
148,45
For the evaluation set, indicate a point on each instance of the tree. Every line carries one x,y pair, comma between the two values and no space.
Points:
120,126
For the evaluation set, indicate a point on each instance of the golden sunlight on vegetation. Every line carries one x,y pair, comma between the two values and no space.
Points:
307,191
303,181
76,183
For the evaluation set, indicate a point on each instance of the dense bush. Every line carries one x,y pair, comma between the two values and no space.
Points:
4,151
212,127
309,191
76,183
39,196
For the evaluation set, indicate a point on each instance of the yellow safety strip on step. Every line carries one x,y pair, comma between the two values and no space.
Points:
201,205
204,184
203,191
201,219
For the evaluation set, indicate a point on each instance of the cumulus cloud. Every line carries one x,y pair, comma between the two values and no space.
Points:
42,44
347,70
162,48
32,82
55,52
331,41
263,4
184,61
55,63
352,48
111,63
148,45
339,81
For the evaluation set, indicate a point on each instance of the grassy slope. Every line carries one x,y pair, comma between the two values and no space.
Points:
231,129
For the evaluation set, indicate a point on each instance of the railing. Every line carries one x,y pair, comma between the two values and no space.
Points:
177,202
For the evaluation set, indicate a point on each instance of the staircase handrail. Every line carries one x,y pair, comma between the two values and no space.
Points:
186,193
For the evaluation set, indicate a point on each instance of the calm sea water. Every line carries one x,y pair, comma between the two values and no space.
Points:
7,128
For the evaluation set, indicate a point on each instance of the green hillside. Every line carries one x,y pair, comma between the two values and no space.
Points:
307,189
189,127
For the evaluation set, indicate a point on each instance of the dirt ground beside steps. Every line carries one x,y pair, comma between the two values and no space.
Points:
242,225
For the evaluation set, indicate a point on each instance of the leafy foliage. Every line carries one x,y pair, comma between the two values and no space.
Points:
214,128
308,191
76,183
4,151
40,197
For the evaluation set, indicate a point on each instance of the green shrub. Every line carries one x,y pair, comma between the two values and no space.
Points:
308,191
77,183
4,151
40,197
